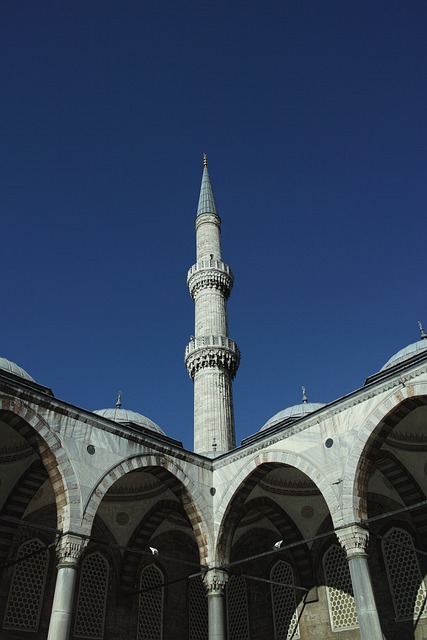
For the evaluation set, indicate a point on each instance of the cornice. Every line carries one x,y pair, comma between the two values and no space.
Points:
147,440
279,433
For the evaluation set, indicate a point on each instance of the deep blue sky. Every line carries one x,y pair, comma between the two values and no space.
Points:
313,116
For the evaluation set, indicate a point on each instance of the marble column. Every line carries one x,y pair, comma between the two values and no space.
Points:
69,550
354,540
215,581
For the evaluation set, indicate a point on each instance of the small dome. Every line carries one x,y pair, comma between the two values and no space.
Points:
411,350
296,411
11,367
124,415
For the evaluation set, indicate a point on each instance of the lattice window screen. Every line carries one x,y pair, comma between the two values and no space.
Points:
237,609
404,576
26,591
342,607
90,616
150,616
198,610
285,612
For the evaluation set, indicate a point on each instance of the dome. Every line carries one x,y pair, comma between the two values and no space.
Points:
296,411
124,415
11,367
411,350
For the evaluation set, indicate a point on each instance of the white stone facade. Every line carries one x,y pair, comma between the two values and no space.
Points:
317,497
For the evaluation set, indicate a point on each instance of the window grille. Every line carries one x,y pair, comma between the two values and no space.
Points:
150,617
404,576
285,612
342,607
237,609
90,615
198,610
26,591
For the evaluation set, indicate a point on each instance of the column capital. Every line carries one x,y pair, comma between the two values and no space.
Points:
215,581
69,549
354,540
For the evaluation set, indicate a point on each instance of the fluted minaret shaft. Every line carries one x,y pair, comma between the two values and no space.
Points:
211,357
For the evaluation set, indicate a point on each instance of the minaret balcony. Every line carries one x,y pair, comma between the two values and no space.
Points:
212,351
211,273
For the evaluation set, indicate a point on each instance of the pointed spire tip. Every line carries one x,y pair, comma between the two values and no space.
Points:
207,202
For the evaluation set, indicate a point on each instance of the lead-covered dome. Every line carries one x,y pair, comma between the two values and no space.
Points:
296,411
117,414
11,367
408,352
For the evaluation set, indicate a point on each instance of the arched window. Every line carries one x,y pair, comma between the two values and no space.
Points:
150,616
198,610
285,612
237,609
404,576
24,604
92,598
342,608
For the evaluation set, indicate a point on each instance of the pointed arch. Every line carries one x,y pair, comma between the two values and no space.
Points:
374,430
36,431
249,476
173,476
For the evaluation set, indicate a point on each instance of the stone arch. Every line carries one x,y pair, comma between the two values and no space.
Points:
244,481
41,438
371,435
175,479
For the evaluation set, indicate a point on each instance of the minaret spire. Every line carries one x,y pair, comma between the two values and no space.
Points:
207,202
212,359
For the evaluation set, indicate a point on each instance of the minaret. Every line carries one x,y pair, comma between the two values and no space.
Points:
212,359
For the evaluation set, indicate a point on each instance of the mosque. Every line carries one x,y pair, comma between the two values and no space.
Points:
315,527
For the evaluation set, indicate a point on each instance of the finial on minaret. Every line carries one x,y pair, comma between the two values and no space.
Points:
205,160
119,400
304,395
423,333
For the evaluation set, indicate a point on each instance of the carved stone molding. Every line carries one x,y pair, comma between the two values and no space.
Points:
69,550
215,581
212,357
354,540
210,279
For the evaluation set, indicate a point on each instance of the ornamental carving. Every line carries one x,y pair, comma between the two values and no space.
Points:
69,549
215,581
210,279
354,540
213,357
